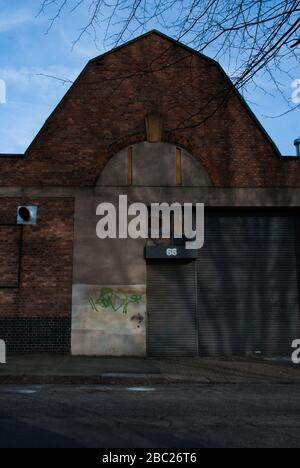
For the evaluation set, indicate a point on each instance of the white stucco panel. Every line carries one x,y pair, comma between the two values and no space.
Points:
109,320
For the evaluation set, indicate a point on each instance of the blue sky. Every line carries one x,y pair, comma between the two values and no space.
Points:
27,51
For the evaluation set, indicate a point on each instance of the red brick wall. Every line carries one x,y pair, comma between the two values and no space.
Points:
43,295
105,111
46,259
10,246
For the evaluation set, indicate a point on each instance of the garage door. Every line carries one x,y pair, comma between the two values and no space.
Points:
247,284
171,309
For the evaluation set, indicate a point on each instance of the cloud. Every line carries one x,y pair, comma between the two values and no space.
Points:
24,78
9,20
30,100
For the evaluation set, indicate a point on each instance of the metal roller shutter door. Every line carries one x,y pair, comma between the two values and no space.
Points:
247,285
171,308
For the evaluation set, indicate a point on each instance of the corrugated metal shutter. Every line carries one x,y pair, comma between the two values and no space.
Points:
248,285
171,307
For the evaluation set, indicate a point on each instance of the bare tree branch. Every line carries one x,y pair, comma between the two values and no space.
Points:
252,38
62,80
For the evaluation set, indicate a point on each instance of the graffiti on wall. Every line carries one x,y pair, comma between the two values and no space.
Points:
109,319
115,300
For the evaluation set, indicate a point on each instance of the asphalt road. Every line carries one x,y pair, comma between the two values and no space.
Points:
161,417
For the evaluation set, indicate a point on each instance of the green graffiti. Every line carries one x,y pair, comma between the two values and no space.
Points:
116,300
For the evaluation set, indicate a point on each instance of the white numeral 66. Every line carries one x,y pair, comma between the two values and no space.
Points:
172,252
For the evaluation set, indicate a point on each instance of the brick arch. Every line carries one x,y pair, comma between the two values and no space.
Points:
189,144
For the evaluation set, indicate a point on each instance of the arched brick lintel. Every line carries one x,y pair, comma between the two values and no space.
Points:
189,145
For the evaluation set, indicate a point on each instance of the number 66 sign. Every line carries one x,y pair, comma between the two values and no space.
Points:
172,252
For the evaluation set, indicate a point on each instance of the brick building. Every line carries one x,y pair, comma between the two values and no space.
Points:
158,122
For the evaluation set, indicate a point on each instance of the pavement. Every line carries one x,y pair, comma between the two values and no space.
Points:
158,416
64,369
